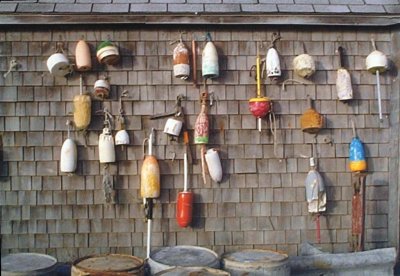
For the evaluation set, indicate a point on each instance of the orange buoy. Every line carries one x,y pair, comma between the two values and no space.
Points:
150,174
184,208
82,56
184,201
311,121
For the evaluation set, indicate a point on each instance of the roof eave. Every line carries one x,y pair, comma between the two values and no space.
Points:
202,19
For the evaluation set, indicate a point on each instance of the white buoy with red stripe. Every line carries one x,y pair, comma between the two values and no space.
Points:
214,165
69,154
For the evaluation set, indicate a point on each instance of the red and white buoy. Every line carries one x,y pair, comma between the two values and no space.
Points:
184,202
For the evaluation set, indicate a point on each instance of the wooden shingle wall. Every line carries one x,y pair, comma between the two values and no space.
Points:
261,200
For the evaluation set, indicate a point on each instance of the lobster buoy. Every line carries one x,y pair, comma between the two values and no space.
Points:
343,80
102,88
315,190
107,53
273,64
214,165
304,65
357,156
122,137
184,201
311,121
210,67
377,63
173,127
58,65
150,173
184,208
150,178
82,111
69,154
106,147
201,129
181,61
260,106
82,56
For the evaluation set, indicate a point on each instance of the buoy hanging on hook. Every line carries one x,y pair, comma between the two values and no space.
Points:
82,56
149,185
122,136
184,201
343,80
69,154
311,121
181,61
106,141
102,88
82,108
316,195
304,65
150,173
272,62
357,159
210,66
377,63
214,164
201,130
58,63
259,106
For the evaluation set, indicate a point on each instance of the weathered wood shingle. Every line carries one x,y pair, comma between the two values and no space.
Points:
224,6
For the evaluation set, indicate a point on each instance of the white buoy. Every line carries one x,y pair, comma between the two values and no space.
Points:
273,64
376,63
69,154
106,147
214,164
210,66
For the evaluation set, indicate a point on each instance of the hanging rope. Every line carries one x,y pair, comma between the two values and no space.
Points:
108,185
293,80
272,126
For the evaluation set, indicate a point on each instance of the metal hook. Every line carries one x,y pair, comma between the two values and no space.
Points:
373,43
212,98
180,40
13,66
124,94
144,146
208,36
173,156
60,47
274,38
108,118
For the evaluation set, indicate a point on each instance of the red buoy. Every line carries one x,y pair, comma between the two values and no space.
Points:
184,208
184,201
